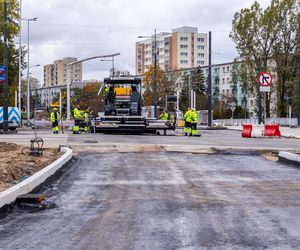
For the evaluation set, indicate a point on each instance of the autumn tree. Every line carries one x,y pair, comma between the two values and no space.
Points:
88,97
164,86
12,50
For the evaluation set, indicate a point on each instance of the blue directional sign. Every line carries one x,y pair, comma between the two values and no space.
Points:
2,70
2,74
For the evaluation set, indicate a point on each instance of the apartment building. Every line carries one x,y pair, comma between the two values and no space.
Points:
56,74
182,48
226,85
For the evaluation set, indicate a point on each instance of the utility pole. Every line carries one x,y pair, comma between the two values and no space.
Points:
5,87
155,76
298,54
20,57
209,81
259,100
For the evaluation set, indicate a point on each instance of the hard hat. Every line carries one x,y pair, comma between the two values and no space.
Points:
193,109
55,109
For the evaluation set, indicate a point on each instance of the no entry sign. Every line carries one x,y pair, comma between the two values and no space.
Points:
265,79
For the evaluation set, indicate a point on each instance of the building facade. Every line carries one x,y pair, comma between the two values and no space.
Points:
45,95
226,86
182,48
56,74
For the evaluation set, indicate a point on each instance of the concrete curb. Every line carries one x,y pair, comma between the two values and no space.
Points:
9,195
289,158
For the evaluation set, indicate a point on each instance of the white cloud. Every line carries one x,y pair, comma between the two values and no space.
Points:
94,27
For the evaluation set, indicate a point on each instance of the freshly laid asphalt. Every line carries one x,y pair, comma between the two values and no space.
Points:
164,201
209,138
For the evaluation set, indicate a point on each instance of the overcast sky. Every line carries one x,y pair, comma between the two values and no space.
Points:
85,28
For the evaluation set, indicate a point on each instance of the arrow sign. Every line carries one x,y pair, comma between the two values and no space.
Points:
2,70
265,79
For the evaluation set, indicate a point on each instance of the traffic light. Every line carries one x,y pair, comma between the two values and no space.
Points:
2,74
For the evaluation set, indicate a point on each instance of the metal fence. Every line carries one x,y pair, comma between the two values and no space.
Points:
293,122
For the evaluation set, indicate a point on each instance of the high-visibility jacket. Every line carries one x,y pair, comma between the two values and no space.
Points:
54,117
77,114
86,116
194,116
164,116
188,116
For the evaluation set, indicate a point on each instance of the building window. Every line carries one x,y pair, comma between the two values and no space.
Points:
183,46
227,68
200,62
200,39
227,91
183,61
200,54
200,47
183,54
184,38
223,80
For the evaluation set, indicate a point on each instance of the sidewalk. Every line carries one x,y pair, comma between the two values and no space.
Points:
24,136
258,131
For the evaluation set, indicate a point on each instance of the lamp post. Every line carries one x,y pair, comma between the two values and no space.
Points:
28,88
112,60
154,73
20,56
69,66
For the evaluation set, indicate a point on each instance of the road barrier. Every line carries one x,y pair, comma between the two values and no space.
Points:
247,130
272,130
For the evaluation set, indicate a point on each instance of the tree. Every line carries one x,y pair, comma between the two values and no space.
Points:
198,85
261,36
198,81
164,86
12,51
88,97
284,52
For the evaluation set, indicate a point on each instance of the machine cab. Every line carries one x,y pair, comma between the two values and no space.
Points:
122,96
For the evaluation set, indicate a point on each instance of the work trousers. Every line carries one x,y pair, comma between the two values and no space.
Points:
194,128
77,124
55,127
187,128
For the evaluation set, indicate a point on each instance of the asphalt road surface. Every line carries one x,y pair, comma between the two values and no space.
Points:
164,201
209,138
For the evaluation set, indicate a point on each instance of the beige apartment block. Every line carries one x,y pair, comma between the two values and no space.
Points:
56,74
182,48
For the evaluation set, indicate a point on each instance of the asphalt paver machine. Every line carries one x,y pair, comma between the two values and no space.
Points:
122,109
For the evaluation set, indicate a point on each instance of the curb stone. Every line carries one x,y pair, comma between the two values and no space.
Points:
289,158
9,195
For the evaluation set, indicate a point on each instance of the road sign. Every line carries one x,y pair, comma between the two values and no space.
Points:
2,70
265,89
2,74
265,79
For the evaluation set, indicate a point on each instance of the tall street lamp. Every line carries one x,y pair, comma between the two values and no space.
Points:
20,56
28,89
113,63
154,72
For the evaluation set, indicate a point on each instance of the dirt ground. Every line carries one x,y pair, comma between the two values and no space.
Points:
16,166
